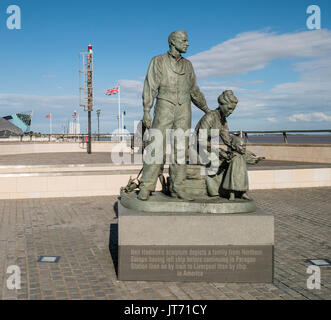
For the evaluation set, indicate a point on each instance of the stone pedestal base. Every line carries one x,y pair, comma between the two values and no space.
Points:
195,247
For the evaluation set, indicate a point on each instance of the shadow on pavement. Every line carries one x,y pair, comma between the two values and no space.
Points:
113,245
115,207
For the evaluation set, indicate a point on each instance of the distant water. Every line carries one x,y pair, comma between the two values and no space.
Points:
291,138
252,138
275,138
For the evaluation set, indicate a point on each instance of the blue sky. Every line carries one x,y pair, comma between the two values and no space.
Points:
262,50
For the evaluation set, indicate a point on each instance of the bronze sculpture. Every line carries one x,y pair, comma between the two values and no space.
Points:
230,176
171,80
235,180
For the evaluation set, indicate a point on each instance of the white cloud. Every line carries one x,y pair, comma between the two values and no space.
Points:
62,107
315,116
256,82
286,102
21,102
132,85
254,50
131,94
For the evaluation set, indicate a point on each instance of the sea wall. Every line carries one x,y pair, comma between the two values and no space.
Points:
50,147
320,153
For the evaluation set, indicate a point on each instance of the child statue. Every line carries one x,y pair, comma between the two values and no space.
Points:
235,179
230,179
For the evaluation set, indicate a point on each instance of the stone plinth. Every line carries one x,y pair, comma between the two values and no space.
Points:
159,202
172,246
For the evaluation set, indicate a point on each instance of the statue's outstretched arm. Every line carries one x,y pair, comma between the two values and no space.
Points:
226,138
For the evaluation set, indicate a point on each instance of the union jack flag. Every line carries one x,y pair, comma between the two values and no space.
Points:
115,90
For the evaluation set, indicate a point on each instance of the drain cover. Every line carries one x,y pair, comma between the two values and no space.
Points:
49,259
320,262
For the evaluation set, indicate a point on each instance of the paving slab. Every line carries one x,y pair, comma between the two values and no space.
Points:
102,158
83,231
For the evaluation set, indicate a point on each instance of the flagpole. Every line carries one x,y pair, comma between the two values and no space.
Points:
122,125
50,124
119,111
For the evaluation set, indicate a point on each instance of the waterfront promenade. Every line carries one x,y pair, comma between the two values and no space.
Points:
83,232
104,158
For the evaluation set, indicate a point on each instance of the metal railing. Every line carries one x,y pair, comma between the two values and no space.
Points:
283,132
67,137
81,138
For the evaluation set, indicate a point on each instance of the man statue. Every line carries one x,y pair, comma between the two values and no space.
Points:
171,80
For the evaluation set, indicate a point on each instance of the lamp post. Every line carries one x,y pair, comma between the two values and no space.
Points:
89,96
98,114
86,90
123,126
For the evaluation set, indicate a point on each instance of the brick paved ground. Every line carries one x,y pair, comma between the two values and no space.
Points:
62,159
79,229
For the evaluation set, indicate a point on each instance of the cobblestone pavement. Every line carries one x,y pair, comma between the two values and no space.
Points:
79,230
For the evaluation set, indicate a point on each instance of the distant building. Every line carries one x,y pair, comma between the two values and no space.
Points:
7,129
74,127
21,120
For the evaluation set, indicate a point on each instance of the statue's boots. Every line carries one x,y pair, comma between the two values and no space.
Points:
181,195
245,196
232,196
144,194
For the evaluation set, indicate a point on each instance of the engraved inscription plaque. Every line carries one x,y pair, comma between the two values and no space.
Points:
196,263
